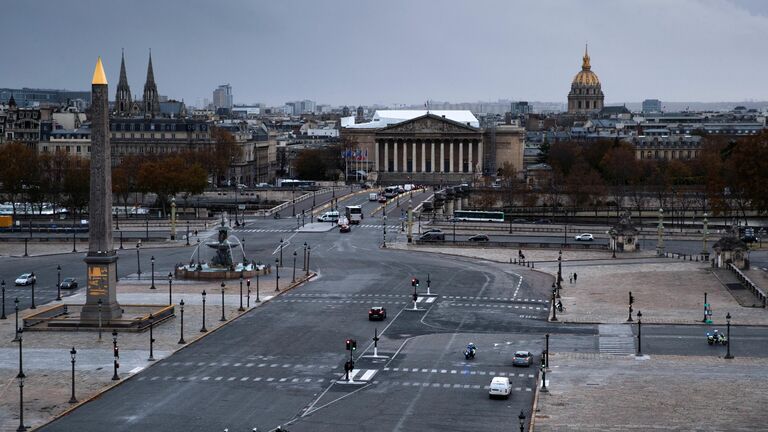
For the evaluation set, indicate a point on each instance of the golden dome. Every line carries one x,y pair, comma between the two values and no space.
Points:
586,77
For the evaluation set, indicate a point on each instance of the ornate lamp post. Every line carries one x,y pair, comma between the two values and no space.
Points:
73,353
181,326
2,284
258,300
554,308
20,378
277,276
241,308
639,334
309,252
152,260
203,329
223,318
280,264
151,338
294,268
728,336
16,308
34,282
170,288
116,353
58,282
384,226
704,250
248,294
138,260
660,243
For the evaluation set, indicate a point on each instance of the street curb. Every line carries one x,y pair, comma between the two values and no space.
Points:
559,321
85,251
532,416
128,378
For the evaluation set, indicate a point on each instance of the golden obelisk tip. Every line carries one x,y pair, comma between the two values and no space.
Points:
99,77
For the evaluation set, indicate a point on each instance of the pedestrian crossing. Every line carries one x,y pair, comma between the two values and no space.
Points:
451,297
616,339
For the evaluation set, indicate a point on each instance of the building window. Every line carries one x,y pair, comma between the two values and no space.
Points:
579,103
89,149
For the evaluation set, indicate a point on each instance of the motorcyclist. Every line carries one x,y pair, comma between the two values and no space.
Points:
559,306
716,334
471,348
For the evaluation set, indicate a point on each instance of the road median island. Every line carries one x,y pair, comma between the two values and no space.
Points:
47,358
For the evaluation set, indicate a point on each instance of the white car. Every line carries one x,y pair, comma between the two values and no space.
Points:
585,237
329,216
500,387
26,279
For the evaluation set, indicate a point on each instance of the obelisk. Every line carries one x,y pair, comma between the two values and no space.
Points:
101,259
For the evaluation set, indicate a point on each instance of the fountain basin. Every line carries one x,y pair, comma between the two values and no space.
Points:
203,272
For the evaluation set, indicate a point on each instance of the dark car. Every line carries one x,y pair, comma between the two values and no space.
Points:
344,228
479,238
432,230
382,199
377,313
68,283
522,358
543,221
519,220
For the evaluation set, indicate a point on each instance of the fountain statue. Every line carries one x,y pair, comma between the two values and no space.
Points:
223,257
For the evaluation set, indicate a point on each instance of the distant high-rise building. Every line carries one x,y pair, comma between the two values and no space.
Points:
520,108
222,97
651,105
586,95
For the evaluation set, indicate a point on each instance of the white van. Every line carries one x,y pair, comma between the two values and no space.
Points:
373,196
500,387
329,216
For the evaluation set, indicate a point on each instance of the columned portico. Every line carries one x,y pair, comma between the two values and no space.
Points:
450,163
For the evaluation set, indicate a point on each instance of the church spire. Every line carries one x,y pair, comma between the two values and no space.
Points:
123,95
585,65
151,101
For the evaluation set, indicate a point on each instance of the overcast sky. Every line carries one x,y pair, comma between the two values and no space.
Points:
394,51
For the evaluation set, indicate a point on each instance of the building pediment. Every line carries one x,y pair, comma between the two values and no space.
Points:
428,124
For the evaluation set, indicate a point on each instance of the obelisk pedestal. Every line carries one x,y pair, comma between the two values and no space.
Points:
102,258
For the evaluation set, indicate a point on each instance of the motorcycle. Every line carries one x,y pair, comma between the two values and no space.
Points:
713,339
469,353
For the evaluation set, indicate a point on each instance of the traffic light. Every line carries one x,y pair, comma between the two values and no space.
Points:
351,344
116,352
354,344
414,282
631,298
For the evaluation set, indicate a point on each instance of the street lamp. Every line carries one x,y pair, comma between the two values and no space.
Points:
258,300
203,329
521,418
309,252
152,260
187,232
294,268
248,294
181,327
639,334
660,228
16,307
116,353
544,377
151,338
138,259
73,353
554,308
170,288
241,308
728,336
304,266
384,225
34,281
281,252
559,272
2,284
100,303
58,282
277,276
20,378
223,318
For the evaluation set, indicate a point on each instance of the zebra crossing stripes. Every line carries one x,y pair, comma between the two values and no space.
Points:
616,339
360,375
254,230
450,297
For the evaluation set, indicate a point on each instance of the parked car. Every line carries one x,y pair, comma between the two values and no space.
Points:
543,221
344,228
377,313
68,283
519,220
479,238
522,358
329,216
26,279
500,387
584,237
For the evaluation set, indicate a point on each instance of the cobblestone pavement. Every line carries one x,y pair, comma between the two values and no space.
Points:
666,290
46,354
659,393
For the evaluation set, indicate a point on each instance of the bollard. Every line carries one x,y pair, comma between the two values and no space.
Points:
532,264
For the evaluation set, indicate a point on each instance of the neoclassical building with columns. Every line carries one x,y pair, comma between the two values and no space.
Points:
440,147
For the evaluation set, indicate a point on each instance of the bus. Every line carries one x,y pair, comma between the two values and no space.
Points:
478,216
354,214
291,183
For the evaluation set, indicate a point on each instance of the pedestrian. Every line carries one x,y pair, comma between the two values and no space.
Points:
574,277
570,278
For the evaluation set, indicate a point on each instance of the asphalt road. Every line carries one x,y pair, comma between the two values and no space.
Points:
282,363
